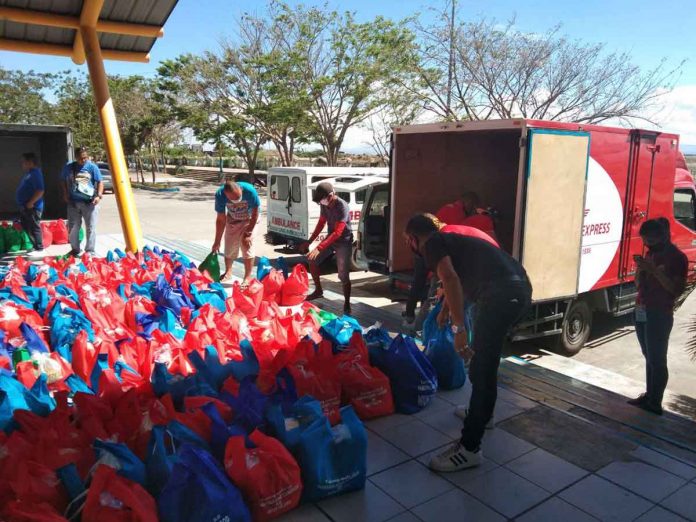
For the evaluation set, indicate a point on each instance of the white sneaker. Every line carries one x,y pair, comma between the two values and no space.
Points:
462,411
455,458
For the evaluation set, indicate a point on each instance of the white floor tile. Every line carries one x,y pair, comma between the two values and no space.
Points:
683,502
371,505
381,454
605,500
411,484
665,462
436,405
501,446
455,506
446,422
380,424
505,492
305,513
555,510
658,514
415,437
643,479
546,470
406,516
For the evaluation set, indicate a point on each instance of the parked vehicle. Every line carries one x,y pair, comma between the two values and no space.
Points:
52,145
292,215
106,177
571,200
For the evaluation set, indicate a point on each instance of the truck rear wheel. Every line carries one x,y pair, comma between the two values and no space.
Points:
577,324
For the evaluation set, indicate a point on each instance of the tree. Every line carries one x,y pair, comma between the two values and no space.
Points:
204,96
480,70
343,64
401,108
22,97
273,95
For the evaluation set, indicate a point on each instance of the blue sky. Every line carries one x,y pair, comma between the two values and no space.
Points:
648,30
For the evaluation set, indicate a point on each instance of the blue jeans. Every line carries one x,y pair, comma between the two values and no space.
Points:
653,336
77,212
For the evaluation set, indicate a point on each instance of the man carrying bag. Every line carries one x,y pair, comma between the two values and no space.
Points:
82,191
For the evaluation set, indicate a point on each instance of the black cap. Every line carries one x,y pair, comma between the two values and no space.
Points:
323,189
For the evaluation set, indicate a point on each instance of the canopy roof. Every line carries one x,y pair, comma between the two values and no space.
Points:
127,29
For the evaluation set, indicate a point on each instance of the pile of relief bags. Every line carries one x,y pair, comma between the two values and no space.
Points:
13,238
132,388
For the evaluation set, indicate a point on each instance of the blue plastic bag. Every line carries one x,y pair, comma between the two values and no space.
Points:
214,296
39,391
182,434
439,349
159,461
249,405
287,425
15,396
413,379
169,296
178,386
199,491
34,342
333,460
282,265
211,369
37,298
340,330
263,268
66,323
121,458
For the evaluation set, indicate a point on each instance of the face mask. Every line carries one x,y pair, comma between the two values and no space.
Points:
236,200
325,201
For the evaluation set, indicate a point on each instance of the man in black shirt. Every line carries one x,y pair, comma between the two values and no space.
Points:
474,270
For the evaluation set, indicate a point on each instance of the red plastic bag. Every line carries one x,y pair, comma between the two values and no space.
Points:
363,386
12,315
34,482
112,498
46,234
315,374
59,232
272,284
268,475
31,512
84,357
248,300
296,288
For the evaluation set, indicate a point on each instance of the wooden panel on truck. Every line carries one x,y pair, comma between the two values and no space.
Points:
554,209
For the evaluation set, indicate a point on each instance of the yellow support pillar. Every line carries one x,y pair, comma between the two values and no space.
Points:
107,117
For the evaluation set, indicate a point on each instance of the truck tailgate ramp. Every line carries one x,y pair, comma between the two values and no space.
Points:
554,209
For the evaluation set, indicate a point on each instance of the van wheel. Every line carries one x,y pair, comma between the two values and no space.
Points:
576,328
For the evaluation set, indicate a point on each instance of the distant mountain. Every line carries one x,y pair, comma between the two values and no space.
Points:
688,150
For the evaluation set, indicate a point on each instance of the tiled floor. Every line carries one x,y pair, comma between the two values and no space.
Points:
517,480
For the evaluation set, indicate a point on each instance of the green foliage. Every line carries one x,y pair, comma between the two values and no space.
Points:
22,97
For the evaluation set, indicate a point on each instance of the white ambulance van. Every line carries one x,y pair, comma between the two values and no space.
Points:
292,215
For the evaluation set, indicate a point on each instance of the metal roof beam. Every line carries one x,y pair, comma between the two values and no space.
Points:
65,50
28,16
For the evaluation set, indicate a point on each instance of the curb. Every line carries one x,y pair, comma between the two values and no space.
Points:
152,189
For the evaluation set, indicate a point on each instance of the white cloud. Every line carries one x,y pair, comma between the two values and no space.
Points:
678,113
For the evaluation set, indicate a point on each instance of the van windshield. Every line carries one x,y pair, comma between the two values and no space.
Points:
280,188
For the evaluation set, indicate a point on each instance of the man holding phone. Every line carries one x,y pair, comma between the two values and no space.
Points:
661,278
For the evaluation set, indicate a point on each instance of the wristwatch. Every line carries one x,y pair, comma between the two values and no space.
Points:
458,329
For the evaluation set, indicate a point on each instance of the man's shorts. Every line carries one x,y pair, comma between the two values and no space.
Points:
344,253
234,235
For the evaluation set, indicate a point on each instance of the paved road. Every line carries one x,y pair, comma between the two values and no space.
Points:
189,215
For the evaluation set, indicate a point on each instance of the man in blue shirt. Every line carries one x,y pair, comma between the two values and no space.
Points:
237,207
30,199
82,191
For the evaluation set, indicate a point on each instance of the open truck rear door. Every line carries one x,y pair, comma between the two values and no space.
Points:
556,180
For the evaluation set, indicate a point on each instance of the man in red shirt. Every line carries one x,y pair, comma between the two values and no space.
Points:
467,211
661,278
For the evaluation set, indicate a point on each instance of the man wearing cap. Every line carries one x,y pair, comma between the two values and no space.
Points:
237,208
339,241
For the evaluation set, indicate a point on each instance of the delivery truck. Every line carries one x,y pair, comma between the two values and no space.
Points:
292,215
52,145
570,200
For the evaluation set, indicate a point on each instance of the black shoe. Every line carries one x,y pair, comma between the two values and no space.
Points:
652,408
317,294
638,401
